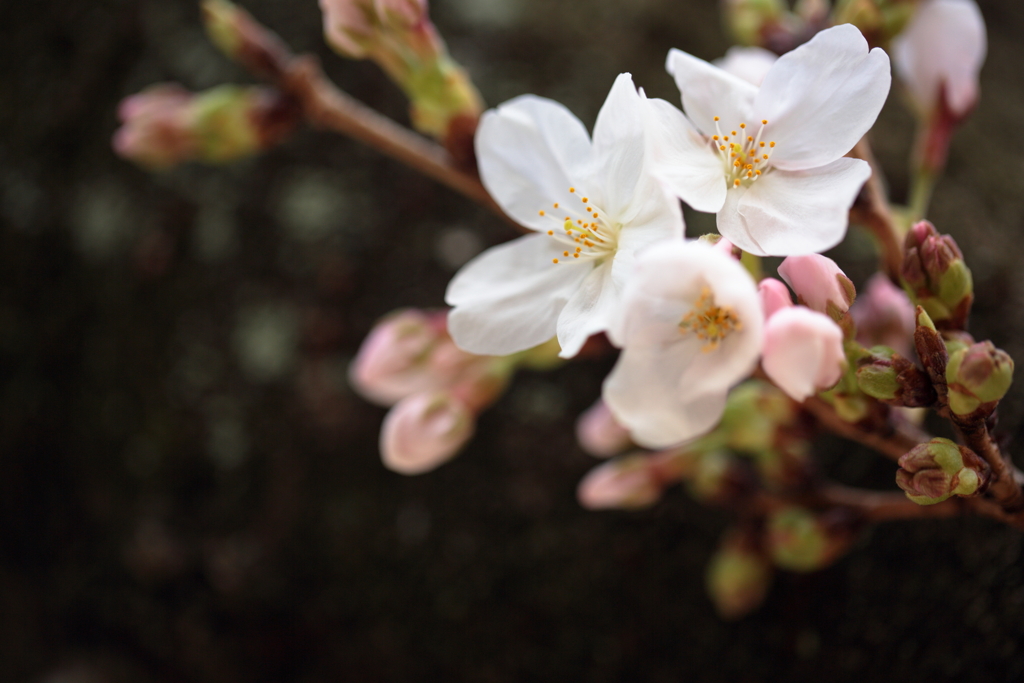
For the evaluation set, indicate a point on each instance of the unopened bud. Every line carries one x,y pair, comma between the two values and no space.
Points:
157,129
978,376
755,411
878,20
394,359
774,296
423,431
819,284
626,483
350,26
718,478
739,575
803,541
884,316
937,277
599,433
803,352
244,40
935,471
891,378
402,13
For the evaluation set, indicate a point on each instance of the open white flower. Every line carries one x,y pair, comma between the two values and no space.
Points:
939,55
593,205
691,328
769,160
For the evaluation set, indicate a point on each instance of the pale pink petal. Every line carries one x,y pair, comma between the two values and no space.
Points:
774,296
794,212
509,298
822,97
818,281
709,92
624,484
803,351
599,433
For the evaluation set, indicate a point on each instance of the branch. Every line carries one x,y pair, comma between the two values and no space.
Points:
893,445
871,209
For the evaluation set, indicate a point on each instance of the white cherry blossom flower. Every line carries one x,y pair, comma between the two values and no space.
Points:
691,328
592,205
940,53
769,160
749,63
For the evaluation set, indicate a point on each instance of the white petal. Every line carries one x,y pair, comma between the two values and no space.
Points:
508,298
822,97
785,213
531,151
682,159
589,311
945,43
749,63
618,151
642,392
709,92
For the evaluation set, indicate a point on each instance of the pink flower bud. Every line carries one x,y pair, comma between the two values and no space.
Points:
884,315
774,296
626,483
158,127
939,54
599,434
350,25
406,13
424,431
393,361
819,283
803,351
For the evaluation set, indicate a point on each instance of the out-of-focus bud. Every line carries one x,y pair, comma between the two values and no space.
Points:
157,127
940,469
802,541
891,378
749,63
719,477
878,20
739,574
819,284
938,57
393,361
751,22
242,39
403,13
936,276
165,125
803,352
626,483
884,316
774,296
978,377
424,431
350,26
598,432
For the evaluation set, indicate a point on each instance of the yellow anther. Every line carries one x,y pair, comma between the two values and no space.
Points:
743,125
762,144
714,137
541,212
716,118
585,200
757,173
551,232
575,255
572,189
736,182
764,122
556,203
722,148
764,156
771,144
734,133
565,253
554,260
750,138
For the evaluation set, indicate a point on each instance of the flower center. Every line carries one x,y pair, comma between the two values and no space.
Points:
584,233
744,156
710,323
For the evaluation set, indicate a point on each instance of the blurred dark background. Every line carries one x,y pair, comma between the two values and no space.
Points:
189,491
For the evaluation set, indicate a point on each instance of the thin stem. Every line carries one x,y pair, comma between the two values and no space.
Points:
892,446
921,194
872,210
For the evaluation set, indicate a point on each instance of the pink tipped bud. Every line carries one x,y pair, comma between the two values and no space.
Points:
598,432
937,277
803,352
939,55
884,316
401,13
774,296
350,26
423,432
819,284
939,469
158,127
393,361
627,483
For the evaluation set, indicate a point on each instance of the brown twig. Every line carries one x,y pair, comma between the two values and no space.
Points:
871,209
892,445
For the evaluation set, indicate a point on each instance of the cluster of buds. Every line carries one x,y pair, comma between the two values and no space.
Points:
936,276
435,389
771,23
165,125
940,469
399,36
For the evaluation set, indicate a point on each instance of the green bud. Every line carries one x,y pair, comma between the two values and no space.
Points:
936,277
716,477
800,540
878,381
222,25
227,122
889,377
940,469
738,576
978,375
